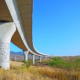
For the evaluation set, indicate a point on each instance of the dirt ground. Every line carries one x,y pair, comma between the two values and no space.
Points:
19,64
15,63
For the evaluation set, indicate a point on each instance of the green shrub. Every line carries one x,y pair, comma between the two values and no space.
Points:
27,63
71,63
57,58
78,60
56,61
24,61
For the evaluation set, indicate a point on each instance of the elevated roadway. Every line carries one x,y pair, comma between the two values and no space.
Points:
16,19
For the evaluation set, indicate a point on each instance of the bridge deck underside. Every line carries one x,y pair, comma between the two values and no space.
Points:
25,11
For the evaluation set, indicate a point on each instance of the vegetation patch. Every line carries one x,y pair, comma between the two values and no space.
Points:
59,69
63,63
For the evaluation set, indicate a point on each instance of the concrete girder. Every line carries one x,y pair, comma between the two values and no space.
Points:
15,12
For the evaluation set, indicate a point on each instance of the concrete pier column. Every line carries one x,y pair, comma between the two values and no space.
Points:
33,59
45,58
40,59
6,32
51,57
26,55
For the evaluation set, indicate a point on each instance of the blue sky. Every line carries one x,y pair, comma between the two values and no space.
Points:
56,27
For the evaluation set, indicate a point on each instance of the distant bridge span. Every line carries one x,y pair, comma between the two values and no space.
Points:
16,19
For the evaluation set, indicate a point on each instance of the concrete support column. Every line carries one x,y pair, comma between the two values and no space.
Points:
40,58
51,57
15,57
33,59
45,58
6,32
26,55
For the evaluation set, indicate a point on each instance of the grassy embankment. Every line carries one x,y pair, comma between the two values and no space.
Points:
54,69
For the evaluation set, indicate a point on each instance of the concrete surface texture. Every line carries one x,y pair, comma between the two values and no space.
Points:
6,32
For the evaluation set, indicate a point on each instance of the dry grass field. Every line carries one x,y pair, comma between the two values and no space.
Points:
44,71
16,64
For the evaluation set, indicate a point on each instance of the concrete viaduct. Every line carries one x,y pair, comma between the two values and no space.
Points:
16,26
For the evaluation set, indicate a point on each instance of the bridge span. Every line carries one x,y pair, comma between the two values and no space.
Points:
16,26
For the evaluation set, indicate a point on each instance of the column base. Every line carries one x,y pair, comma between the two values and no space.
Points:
5,65
4,55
